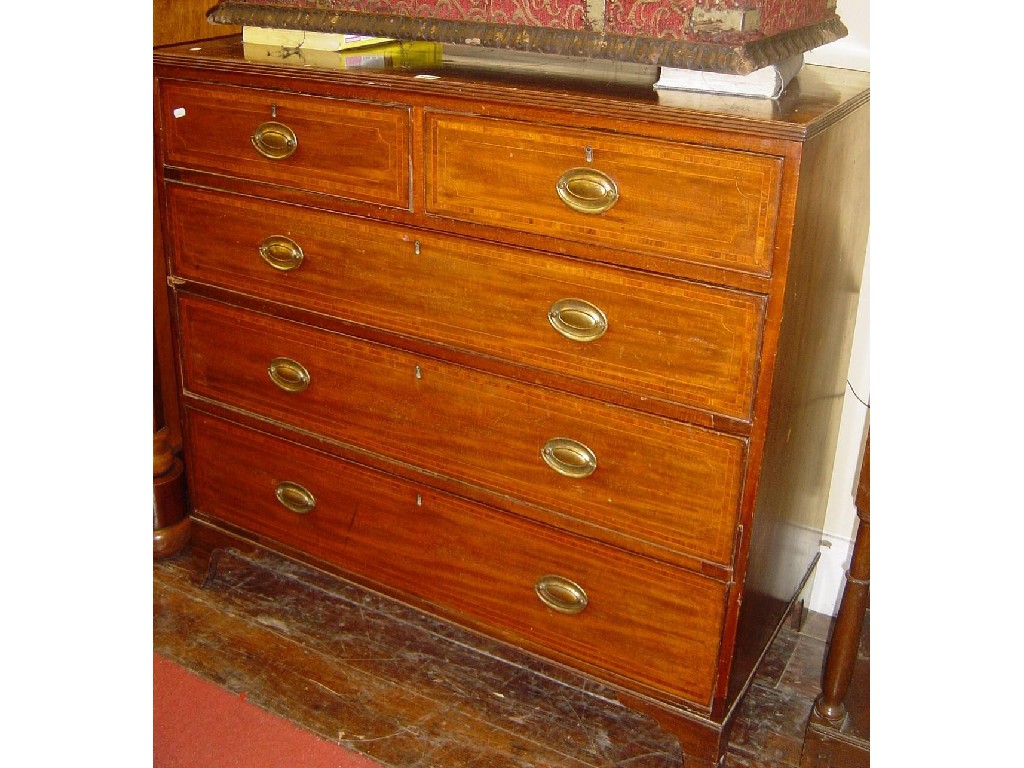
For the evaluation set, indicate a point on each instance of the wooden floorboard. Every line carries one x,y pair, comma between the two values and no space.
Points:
408,690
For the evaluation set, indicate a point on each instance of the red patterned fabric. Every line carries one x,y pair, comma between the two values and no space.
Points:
553,14
782,15
649,18
660,19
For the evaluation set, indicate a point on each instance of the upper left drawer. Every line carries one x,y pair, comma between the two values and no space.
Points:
352,150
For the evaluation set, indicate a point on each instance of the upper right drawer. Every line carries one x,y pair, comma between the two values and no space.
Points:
681,201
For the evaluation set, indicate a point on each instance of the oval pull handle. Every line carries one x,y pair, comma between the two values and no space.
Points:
587,190
282,253
275,140
290,375
561,594
568,457
295,498
577,319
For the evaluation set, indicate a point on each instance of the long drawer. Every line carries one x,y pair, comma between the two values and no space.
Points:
348,149
632,476
680,201
624,614
684,342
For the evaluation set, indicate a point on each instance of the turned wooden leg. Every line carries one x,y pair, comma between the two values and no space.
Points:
171,529
170,519
842,652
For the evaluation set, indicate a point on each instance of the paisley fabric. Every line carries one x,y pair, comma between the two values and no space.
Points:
660,19
554,14
781,15
650,18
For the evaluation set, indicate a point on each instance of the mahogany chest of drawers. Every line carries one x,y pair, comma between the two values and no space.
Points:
550,355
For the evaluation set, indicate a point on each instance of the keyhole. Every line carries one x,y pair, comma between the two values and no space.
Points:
590,154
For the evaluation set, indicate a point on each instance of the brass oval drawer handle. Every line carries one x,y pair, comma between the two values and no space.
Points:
288,374
275,140
577,319
561,594
568,457
282,253
295,498
587,190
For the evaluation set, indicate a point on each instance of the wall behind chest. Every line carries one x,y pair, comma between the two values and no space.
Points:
176,21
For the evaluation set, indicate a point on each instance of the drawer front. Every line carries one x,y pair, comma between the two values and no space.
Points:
677,201
688,343
670,485
643,619
348,149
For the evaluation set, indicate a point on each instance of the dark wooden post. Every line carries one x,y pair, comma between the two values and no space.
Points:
842,652
837,732
171,528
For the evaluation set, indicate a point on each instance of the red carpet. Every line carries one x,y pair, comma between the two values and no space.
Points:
197,724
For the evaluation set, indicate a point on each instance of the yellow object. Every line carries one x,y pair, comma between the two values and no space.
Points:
316,41
391,54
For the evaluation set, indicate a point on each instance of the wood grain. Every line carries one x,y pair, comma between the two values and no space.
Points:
346,149
693,344
392,533
656,480
682,202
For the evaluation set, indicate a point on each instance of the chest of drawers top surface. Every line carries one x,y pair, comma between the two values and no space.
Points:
818,96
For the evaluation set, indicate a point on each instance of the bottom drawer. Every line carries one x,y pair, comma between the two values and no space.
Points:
584,601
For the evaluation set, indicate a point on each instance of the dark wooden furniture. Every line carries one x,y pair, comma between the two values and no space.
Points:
535,349
839,733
